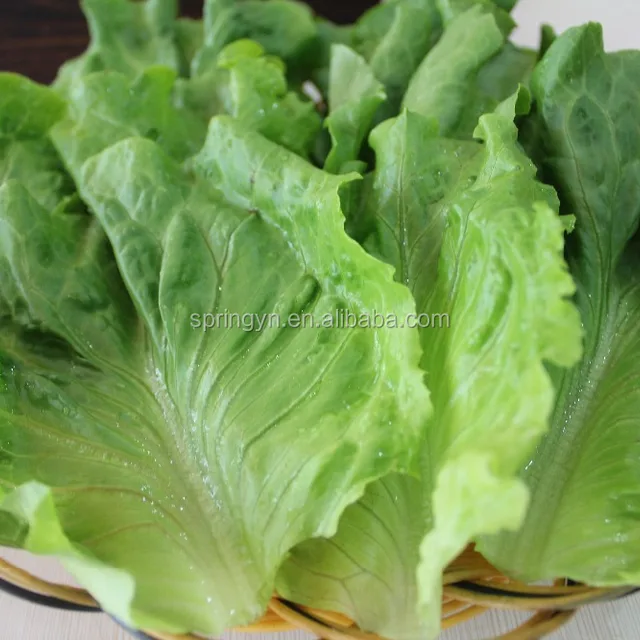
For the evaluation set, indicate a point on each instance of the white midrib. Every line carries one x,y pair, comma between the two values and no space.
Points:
186,473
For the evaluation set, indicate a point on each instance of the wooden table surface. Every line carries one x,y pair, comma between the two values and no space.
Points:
36,36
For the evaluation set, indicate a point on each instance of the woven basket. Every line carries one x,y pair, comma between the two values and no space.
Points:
471,586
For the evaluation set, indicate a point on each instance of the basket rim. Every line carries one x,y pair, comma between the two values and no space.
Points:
471,586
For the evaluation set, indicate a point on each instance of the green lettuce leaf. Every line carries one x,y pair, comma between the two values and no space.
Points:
354,98
33,506
108,106
132,439
284,28
105,107
584,479
479,243
450,9
456,83
126,36
394,38
28,112
498,79
441,86
253,89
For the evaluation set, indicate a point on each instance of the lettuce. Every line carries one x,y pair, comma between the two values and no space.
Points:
458,83
285,28
127,37
131,441
355,95
394,38
188,420
28,112
584,518
475,237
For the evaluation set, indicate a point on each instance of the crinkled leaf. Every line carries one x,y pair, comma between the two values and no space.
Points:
132,440
441,86
284,28
27,111
459,83
475,237
584,519
354,98
498,79
252,87
450,9
254,91
106,107
394,38
126,36
34,506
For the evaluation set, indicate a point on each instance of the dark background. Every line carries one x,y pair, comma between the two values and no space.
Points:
37,36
